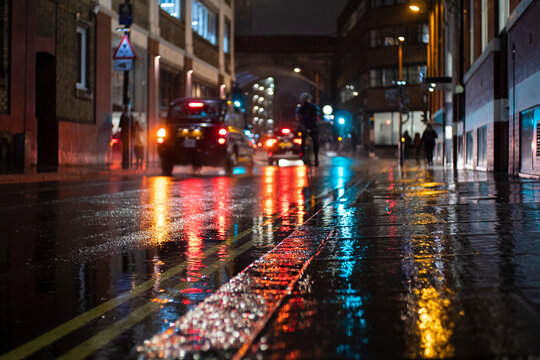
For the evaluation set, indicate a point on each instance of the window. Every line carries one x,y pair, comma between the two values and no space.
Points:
389,77
226,37
375,78
482,146
484,24
203,21
386,77
425,34
414,74
389,36
470,142
82,51
504,13
375,38
170,85
172,7
414,34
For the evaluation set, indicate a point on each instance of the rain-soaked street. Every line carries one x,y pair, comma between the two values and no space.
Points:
354,259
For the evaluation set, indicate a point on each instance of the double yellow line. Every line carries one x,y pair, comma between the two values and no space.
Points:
105,336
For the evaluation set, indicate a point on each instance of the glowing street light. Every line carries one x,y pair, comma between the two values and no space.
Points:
297,69
414,8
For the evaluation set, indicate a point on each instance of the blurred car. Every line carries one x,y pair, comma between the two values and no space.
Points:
203,132
284,144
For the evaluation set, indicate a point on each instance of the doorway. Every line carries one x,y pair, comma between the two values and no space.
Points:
47,125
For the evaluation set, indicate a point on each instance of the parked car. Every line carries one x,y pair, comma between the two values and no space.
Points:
284,144
203,132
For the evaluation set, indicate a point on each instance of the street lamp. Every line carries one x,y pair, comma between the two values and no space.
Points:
297,69
414,8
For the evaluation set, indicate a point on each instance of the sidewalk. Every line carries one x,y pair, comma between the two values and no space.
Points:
73,173
420,265
415,263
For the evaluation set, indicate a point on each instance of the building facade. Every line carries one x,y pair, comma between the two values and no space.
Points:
523,49
489,52
370,36
61,94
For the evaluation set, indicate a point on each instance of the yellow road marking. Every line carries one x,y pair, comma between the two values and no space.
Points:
66,328
105,336
60,331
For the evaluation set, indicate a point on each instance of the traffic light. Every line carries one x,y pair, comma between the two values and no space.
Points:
341,121
238,98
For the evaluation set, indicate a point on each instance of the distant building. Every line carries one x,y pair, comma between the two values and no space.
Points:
367,69
60,94
275,37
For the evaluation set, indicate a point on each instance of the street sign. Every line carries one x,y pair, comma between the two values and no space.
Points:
124,50
123,64
125,14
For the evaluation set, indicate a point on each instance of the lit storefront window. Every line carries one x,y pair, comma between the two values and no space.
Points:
203,21
172,7
226,37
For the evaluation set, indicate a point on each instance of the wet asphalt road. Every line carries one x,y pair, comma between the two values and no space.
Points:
372,262
95,268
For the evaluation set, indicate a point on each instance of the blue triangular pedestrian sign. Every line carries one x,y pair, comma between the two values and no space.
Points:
124,50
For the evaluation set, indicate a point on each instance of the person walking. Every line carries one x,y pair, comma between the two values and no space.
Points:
407,141
125,135
138,143
428,139
307,115
417,143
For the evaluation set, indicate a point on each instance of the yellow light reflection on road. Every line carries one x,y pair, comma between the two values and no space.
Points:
429,300
434,330
159,188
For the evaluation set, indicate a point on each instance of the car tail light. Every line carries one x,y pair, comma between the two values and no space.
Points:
285,131
222,132
195,105
270,142
221,141
297,141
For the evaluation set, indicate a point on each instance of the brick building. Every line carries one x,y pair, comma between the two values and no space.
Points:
523,46
60,95
367,67
490,52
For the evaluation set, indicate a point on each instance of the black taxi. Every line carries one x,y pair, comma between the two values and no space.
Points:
204,132
284,144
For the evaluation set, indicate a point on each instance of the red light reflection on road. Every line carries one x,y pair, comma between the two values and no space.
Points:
191,210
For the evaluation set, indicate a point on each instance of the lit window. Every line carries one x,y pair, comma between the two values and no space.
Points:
172,7
203,21
226,37
82,52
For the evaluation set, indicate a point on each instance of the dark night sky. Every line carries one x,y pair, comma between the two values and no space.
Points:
291,17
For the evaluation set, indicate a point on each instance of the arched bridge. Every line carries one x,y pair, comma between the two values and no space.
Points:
259,57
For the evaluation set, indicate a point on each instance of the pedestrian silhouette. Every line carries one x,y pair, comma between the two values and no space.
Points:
428,138
417,143
407,141
138,142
